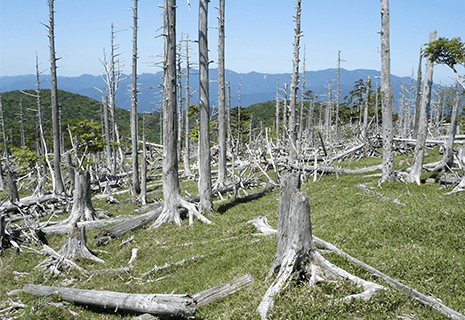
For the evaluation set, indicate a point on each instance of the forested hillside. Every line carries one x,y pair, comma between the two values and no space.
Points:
74,107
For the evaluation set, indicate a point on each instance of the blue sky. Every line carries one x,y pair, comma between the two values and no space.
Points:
259,33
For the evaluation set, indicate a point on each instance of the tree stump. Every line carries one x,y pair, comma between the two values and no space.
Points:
296,254
82,203
76,245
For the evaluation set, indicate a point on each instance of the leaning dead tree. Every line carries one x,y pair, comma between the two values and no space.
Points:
297,256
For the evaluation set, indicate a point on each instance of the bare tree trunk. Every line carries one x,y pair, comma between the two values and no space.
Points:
365,115
417,166
386,101
58,183
179,77
277,112
402,111
222,171
418,97
228,117
171,191
143,189
338,94
239,120
294,86
134,114
448,158
205,183
187,165
329,112
285,113
302,100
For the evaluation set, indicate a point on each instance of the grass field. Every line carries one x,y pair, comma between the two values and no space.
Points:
420,244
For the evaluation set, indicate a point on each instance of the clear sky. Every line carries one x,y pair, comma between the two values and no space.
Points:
259,33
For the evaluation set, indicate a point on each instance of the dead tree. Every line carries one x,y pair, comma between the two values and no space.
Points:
82,204
186,158
59,187
296,254
294,85
277,111
222,170
386,101
143,187
205,181
134,115
418,97
302,101
171,190
338,93
417,166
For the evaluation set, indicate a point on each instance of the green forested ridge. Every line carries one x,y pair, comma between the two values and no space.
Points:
74,107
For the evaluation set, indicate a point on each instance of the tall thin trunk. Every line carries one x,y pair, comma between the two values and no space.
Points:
302,102
187,166
239,120
294,86
222,172
21,119
179,78
106,137
448,158
143,188
285,112
59,185
402,111
417,166
134,114
386,101
329,112
205,183
418,97
365,115
338,93
277,111
228,118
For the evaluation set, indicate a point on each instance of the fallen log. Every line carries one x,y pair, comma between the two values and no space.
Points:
57,229
27,202
157,304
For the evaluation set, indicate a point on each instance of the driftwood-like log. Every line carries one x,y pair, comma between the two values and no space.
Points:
262,225
27,202
89,225
157,304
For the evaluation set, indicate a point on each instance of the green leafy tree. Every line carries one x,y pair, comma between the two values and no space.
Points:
449,52
87,136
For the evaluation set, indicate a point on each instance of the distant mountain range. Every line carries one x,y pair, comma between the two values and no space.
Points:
255,87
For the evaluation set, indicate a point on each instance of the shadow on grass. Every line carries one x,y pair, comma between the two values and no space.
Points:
225,207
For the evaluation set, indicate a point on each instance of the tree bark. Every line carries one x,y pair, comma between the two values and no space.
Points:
386,101
222,170
59,187
417,166
205,183
82,205
134,114
187,165
294,86
418,97
277,111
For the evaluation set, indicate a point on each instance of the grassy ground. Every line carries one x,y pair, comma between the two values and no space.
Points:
421,244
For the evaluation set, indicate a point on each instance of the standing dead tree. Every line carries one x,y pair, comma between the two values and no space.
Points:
294,85
171,190
386,101
222,170
205,181
134,115
415,172
58,178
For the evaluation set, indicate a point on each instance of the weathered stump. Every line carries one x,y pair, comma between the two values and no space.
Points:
76,245
82,204
296,254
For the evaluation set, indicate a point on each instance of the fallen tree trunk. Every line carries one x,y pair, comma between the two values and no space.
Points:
90,225
173,305
157,304
27,202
